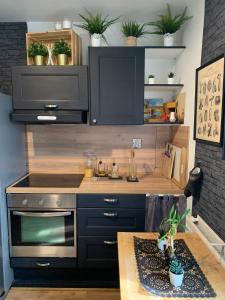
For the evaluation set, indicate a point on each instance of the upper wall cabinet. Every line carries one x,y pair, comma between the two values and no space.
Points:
116,85
49,87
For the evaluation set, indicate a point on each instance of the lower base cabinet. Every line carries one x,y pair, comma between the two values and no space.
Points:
99,218
97,252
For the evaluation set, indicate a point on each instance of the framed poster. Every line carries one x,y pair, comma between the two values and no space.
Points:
209,102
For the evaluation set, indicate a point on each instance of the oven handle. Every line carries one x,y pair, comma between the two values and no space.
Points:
42,215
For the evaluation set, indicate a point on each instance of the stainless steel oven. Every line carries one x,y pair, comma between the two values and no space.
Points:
42,225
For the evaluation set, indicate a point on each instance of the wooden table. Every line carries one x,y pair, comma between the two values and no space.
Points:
130,287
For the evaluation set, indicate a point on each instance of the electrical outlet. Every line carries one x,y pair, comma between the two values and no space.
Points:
136,143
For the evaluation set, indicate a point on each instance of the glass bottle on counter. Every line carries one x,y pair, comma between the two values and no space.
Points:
101,169
89,169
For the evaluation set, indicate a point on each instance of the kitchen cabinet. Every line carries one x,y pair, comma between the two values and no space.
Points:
50,87
99,218
116,85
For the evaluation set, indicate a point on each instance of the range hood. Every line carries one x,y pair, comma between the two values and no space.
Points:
50,94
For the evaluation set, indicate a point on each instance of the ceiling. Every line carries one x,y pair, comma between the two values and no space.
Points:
53,10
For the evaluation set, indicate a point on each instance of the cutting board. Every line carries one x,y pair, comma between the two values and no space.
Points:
168,162
180,166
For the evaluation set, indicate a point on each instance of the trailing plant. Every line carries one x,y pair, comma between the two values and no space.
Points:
151,76
61,47
176,267
37,49
96,23
171,75
168,23
132,28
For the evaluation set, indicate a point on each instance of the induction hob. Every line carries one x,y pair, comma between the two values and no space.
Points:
51,180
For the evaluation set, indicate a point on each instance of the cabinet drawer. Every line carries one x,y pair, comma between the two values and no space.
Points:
111,200
43,263
101,221
97,252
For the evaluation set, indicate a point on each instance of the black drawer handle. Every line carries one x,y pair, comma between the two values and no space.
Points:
43,265
113,200
110,215
110,242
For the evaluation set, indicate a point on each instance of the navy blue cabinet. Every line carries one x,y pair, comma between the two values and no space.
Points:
116,85
99,218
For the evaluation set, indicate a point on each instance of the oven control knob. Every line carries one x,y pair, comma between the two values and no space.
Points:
41,202
24,202
59,203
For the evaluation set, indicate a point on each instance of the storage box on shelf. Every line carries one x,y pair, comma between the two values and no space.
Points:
50,37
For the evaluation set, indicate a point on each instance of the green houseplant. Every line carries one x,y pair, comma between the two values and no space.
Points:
96,25
161,242
62,51
171,78
174,221
151,79
176,272
38,52
168,24
132,30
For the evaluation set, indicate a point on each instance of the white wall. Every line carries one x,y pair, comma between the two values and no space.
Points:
188,61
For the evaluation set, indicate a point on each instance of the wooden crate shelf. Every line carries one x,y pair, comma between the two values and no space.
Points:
48,39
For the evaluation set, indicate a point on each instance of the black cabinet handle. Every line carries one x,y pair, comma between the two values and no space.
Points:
112,200
110,215
110,242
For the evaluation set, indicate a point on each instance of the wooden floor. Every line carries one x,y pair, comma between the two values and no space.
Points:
62,294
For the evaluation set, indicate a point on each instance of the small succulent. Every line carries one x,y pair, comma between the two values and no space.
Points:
151,76
171,75
61,47
37,49
176,267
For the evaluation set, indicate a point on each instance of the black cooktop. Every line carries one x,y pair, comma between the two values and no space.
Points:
51,180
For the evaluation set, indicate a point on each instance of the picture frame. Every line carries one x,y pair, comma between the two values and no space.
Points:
209,102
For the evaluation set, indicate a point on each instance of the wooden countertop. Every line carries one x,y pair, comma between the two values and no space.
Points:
148,184
130,287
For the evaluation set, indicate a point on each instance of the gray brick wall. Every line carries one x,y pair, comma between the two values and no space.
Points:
211,205
12,51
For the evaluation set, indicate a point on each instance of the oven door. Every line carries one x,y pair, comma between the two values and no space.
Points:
36,233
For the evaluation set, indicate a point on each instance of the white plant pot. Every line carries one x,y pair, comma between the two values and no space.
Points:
170,80
176,280
161,244
151,80
96,40
67,24
172,120
168,40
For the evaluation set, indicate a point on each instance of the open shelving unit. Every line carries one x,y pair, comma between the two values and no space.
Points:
160,60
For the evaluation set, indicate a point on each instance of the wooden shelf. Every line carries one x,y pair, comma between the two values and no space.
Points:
161,52
164,87
163,124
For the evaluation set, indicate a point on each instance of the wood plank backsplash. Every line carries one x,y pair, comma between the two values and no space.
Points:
62,148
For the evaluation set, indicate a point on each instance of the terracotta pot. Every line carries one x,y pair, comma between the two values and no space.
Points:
39,60
131,41
62,59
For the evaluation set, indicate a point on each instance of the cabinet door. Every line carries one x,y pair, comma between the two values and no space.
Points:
97,252
116,85
105,221
63,88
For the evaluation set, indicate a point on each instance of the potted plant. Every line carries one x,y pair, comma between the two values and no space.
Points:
38,52
168,24
176,272
132,31
62,51
171,78
151,79
161,241
96,25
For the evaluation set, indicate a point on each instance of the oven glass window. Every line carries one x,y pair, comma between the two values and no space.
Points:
43,230
37,228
